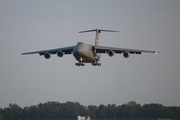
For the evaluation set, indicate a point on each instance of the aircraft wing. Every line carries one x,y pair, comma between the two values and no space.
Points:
104,49
65,50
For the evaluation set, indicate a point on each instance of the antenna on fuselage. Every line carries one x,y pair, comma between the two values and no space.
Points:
97,34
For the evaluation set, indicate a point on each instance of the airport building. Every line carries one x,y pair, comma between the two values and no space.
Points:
83,118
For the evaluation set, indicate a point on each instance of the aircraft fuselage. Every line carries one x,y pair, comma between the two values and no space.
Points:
84,53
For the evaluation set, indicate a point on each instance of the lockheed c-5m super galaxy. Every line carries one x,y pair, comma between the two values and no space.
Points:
85,53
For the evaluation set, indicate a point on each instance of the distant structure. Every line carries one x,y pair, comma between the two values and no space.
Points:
83,118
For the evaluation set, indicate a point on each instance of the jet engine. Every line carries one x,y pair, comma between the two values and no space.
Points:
126,54
47,55
60,54
111,53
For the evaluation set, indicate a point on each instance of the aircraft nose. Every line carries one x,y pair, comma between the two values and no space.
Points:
80,50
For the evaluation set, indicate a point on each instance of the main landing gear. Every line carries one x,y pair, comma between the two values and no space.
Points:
79,64
96,64
82,64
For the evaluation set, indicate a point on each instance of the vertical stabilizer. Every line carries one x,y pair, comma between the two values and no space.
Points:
97,34
97,37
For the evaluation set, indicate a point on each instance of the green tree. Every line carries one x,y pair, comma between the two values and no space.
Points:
33,112
132,108
92,111
16,111
70,110
101,112
111,111
153,110
1,117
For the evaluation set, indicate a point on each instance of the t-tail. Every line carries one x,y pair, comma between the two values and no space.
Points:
97,34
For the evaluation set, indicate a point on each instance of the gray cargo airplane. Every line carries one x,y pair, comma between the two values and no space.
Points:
85,53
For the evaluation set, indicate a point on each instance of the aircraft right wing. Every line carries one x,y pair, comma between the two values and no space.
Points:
59,51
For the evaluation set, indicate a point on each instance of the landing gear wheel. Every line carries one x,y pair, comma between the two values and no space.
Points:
79,64
96,64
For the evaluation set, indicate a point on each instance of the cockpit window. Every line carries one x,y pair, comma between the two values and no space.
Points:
79,43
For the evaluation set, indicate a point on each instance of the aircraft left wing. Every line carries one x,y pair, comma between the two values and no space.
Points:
104,49
64,50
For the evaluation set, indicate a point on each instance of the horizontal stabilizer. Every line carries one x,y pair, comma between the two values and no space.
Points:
98,30
97,34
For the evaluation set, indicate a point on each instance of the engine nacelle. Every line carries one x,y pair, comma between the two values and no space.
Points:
47,55
60,54
111,53
126,54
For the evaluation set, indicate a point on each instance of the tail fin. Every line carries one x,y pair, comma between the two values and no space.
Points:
97,34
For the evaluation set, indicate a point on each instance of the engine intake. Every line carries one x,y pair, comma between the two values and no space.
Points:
126,54
60,54
111,53
47,55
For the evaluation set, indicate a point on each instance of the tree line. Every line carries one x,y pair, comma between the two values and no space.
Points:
70,110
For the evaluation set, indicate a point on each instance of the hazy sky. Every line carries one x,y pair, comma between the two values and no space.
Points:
30,25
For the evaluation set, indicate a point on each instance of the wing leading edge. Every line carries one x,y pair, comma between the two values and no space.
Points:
65,50
104,49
